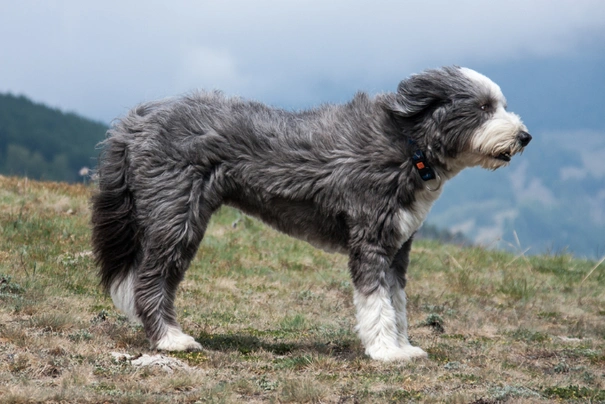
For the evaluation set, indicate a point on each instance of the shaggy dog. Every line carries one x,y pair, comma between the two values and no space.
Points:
358,179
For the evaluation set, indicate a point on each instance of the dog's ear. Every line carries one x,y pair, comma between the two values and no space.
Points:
418,93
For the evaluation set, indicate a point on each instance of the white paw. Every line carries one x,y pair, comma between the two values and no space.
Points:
176,340
390,354
414,351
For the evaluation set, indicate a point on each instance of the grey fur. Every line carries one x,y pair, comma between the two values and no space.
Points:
335,176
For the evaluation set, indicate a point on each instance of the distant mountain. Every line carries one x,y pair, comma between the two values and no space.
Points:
44,143
552,197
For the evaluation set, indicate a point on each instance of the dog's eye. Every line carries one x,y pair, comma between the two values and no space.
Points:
485,107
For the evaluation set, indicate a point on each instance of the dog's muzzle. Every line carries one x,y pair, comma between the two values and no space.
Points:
524,138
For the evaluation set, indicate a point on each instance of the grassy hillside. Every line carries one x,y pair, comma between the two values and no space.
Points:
276,319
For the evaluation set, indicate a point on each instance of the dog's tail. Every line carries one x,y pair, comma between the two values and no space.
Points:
114,227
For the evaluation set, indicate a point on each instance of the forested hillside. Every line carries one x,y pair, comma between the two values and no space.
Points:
44,143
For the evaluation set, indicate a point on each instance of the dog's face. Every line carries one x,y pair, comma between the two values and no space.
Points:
461,117
501,134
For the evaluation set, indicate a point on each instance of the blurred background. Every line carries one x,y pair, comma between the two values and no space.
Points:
67,68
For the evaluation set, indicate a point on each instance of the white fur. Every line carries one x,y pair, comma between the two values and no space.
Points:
485,82
411,218
399,303
176,340
378,329
499,134
122,294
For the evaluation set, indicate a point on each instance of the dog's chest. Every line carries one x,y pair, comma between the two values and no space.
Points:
411,217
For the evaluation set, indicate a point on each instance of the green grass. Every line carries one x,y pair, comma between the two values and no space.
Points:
276,319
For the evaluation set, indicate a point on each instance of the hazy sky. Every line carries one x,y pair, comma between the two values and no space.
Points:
99,58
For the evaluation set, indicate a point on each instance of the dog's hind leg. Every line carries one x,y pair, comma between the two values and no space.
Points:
176,219
399,266
159,275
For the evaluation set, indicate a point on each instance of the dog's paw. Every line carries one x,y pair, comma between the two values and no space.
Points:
391,354
414,352
176,340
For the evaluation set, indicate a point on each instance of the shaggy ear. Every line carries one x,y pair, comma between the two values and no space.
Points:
419,92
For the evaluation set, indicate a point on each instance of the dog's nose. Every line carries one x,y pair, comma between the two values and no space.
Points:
524,138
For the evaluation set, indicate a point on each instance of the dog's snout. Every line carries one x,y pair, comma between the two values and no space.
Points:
524,138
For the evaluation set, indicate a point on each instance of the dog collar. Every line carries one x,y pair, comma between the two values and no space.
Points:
422,166
425,171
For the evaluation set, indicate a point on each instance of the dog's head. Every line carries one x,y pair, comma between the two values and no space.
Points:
459,116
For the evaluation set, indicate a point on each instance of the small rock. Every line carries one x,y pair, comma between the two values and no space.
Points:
121,356
568,339
453,365
166,363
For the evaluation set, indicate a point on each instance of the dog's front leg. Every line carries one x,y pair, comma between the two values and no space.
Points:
377,317
399,266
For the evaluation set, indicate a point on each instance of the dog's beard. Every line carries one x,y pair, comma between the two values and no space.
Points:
494,144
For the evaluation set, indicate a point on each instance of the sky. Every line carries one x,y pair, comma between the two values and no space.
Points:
99,58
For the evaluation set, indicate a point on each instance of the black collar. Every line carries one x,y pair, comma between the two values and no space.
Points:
422,166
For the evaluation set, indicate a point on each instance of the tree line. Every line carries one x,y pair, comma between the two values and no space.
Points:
45,143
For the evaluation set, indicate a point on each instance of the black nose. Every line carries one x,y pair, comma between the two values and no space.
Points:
524,138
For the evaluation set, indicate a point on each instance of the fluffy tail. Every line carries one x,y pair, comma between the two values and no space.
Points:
114,228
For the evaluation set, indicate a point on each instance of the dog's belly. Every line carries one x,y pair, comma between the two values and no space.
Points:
300,219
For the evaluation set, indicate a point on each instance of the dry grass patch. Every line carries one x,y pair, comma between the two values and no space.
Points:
275,317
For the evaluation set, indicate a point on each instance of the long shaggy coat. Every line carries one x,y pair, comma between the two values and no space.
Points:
342,177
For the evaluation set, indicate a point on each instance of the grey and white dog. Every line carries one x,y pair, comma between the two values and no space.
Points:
357,178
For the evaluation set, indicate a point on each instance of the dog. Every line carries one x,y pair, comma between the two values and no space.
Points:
357,178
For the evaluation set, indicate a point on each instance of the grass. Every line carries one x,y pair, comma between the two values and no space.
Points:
276,319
